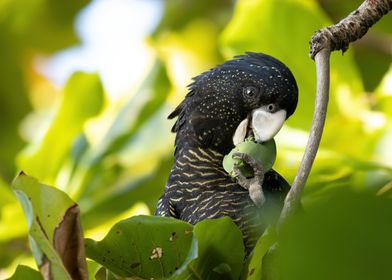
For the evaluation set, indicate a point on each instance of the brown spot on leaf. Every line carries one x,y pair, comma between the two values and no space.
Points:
69,243
134,265
41,227
44,268
156,253
173,237
251,272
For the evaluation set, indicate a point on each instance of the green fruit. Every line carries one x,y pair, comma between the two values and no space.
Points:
265,153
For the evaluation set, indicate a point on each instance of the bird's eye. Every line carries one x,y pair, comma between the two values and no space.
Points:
250,91
271,108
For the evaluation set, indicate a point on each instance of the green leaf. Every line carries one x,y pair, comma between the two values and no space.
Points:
143,246
173,20
10,212
131,125
111,203
23,272
41,25
154,91
347,235
82,99
268,239
54,229
217,252
93,269
27,28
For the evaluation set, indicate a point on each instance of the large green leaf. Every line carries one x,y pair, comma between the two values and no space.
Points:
157,247
217,252
54,229
347,235
82,99
143,246
24,272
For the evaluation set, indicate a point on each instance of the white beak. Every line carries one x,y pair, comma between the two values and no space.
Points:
266,125
240,132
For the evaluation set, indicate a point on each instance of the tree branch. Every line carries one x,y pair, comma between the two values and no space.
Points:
351,28
293,198
323,42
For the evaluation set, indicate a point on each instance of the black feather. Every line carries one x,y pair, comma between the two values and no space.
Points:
198,187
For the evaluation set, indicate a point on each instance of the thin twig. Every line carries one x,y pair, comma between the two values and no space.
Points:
322,93
323,42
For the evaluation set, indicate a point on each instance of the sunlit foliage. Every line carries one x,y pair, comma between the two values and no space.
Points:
113,157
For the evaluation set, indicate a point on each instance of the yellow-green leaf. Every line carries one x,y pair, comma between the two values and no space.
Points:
54,229
82,99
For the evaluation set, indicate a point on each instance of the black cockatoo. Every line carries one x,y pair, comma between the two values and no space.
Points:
251,94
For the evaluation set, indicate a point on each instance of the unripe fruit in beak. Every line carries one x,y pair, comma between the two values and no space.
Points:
264,152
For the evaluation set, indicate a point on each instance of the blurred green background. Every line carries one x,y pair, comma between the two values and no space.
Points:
86,86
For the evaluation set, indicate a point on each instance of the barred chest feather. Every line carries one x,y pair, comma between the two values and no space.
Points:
198,188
